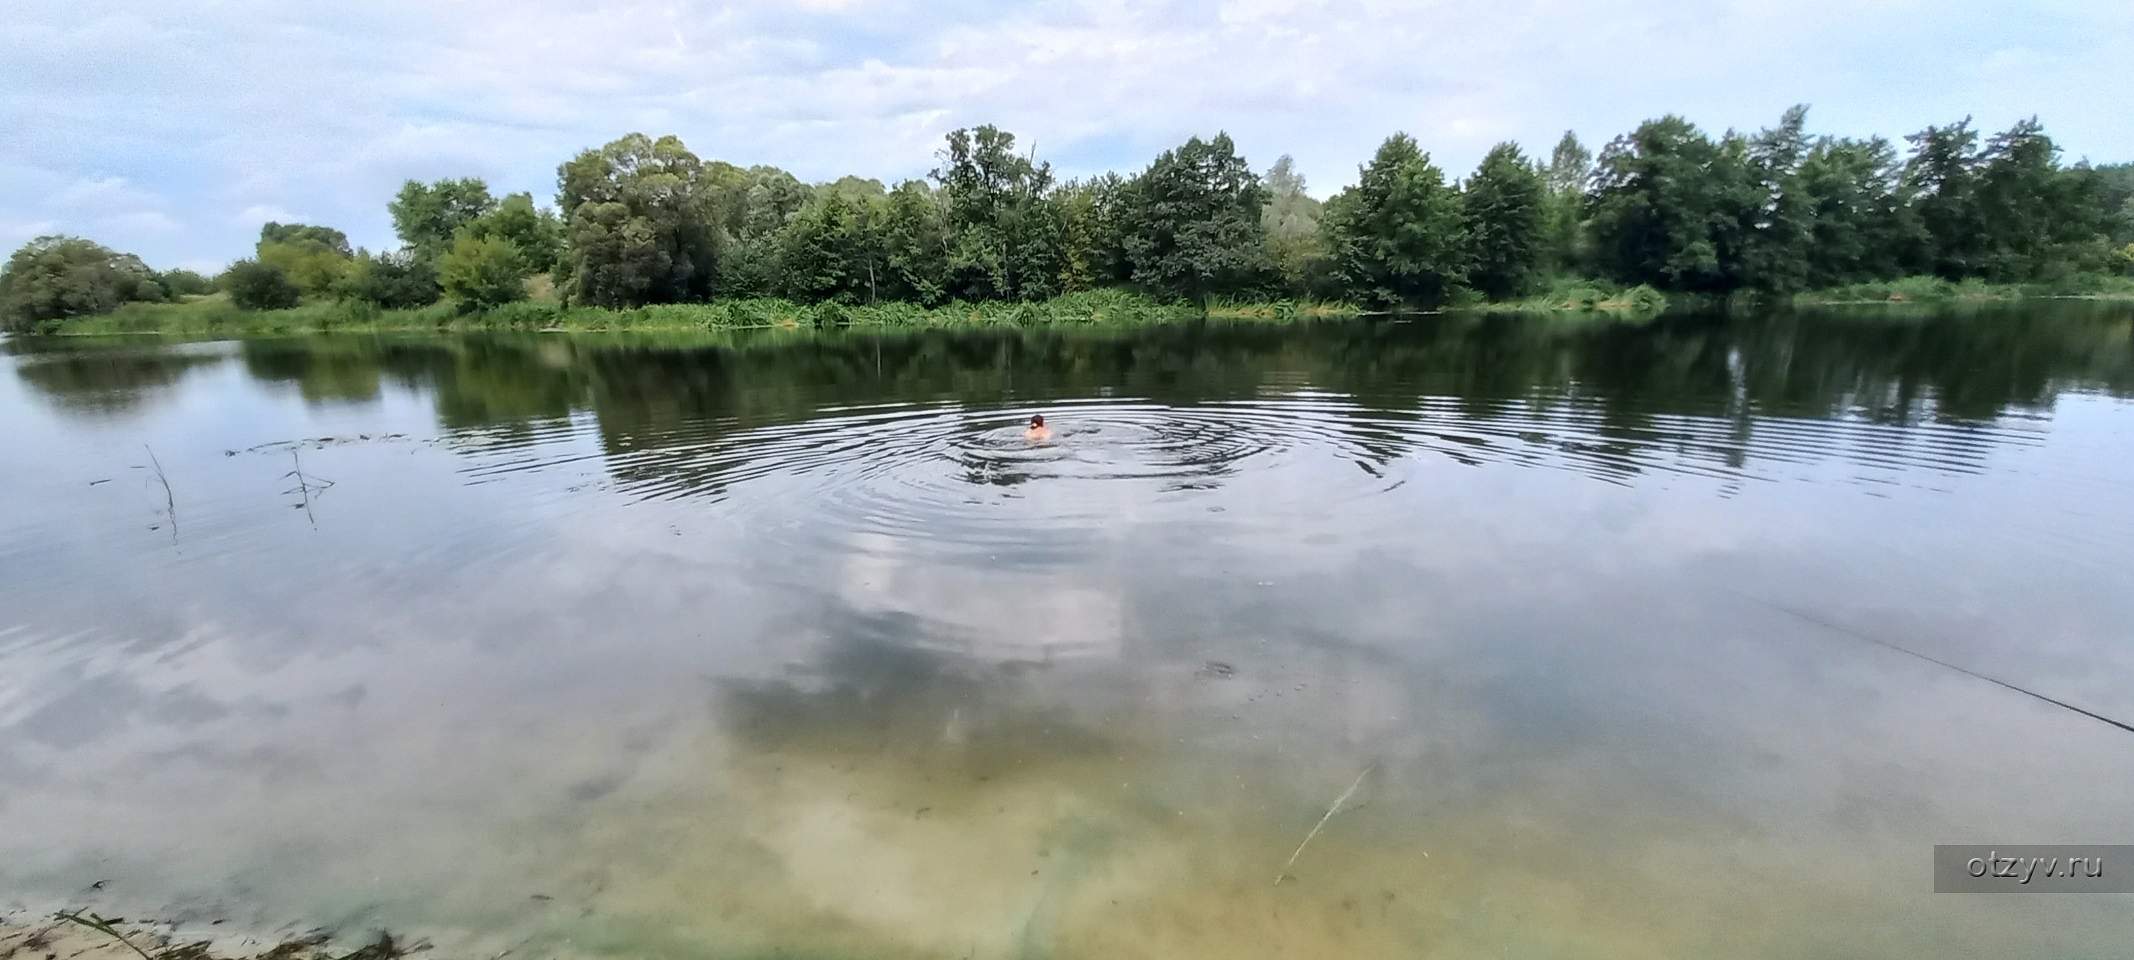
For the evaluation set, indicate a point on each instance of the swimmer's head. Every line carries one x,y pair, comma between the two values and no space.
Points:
1037,421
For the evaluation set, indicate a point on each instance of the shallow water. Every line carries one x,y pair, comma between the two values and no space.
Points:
602,645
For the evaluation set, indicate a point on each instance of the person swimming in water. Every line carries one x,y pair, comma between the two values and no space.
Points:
1038,431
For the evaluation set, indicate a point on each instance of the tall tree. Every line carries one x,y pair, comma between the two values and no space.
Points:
1861,227
326,237
1291,220
313,258
833,250
1778,222
1397,237
1192,221
992,198
915,242
1663,207
752,220
1569,171
2033,212
1943,177
1570,166
534,231
640,223
426,215
1503,204
1092,233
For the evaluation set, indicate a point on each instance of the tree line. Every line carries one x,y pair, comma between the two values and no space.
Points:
642,220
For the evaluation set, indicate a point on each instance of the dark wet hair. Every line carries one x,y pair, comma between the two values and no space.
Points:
1037,419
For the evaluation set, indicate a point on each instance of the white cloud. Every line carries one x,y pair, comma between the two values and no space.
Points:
258,107
260,214
15,233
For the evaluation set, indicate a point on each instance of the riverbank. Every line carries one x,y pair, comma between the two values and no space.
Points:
215,316
2084,286
1584,297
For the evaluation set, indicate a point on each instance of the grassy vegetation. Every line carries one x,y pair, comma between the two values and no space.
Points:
2094,286
216,316
1227,309
1571,295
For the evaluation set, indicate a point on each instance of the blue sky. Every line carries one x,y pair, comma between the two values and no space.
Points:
175,129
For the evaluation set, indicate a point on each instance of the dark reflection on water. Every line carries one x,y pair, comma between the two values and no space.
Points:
648,645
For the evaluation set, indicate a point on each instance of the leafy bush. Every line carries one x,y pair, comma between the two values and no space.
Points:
185,283
257,285
54,278
391,280
482,272
311,265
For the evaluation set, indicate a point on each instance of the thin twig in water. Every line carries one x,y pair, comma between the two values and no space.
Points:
303,486
102,925
170,502
1330,811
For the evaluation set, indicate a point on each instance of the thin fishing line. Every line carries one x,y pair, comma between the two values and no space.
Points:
1878,641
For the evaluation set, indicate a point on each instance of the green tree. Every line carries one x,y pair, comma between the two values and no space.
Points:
1861,227
2035,214
482,272
326,237
833,251
312,257
426,215
994,203
854,189
1942,176
52,278
1570,169
392,280
1665,207
616,259
1777,221
535,231
1092,233
640,223
1192,223
1295,247
1503,205
753,207
185,283
915,243
1397,237
2114,186
1570,166
257,285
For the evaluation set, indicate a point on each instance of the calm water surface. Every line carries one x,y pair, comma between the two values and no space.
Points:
597,645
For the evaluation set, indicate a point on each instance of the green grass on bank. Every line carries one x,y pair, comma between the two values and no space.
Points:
1574,295
1280,310
2096,286
215,315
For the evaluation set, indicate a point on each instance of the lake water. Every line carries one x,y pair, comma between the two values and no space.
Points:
792,644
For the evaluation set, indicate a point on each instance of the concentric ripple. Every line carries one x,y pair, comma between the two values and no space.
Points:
966,473
929,469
